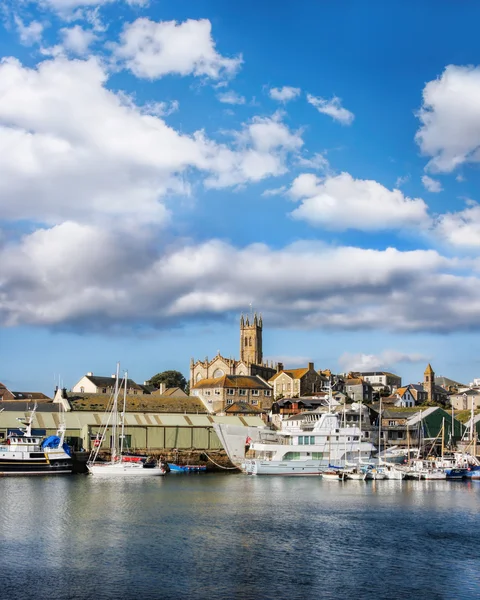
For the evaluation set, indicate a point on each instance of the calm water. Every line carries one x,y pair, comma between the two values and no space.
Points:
233,536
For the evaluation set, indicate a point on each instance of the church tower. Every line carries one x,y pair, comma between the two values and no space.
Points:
251,340
429,383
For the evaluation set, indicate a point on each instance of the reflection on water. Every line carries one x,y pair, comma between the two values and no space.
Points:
222,537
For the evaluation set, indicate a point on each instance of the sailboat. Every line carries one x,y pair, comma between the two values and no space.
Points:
120,464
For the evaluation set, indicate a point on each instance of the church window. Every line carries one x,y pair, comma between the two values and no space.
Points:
250,342
198,377
246,341
218,373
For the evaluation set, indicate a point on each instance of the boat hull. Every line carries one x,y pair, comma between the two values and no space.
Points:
124,470
299,468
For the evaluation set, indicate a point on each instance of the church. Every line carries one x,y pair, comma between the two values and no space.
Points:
251,356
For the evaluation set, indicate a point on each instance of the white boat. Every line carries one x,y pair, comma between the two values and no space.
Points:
25,453
120,464
316,442
390,470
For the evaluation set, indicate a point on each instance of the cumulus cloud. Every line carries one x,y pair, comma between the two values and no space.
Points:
77,40
231,97
460,229
372,362
333,108
431,185
67,6
341,202
318,162
29,34
450,119
84,275
153,49
70,149
285,93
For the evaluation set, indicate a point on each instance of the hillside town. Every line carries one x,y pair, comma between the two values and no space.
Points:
261,392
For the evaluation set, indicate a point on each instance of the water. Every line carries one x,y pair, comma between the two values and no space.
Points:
237,537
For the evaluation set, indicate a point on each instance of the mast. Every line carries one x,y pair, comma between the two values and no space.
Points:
452,432
360,437
114,448
122,436
380,429
443,436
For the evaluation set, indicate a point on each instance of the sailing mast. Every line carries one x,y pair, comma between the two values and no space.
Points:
114,447
122,435
380,429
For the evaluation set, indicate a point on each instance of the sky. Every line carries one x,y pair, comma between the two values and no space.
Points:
167,165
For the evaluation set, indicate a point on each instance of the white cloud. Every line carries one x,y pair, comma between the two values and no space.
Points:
136,282
460,229
70,149
29,34
431,185
401,180
285,93
263,146
450,119
333,108
231,97
318,161
372,362
65,7
341,202
275,191
77,40
154,49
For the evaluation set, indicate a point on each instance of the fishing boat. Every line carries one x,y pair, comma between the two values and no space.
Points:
25,453
121,464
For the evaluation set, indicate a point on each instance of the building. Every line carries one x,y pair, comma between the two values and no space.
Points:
464,400
217,393
94,384
358,389
413,427
8,396
419,394
296,382
381,379
435,393
402,398
251,356
145,431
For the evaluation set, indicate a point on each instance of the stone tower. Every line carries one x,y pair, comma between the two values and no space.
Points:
251,340
429,383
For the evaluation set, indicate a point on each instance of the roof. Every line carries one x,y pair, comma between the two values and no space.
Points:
138,403
446,382
429,370
110,382
174,391
30,396
469,392
354,381
242,407
22,406
293,373
233,381
372,373
414,419
302,401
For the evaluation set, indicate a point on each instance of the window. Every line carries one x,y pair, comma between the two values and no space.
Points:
104,390
254,402
82,390
255,393
242,392
292,456
207,392
229,400
312,439
268,392
230,392
317,455
300,439
217,392
218,373
392,423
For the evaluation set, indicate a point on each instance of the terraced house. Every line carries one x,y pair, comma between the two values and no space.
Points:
220,392
296,382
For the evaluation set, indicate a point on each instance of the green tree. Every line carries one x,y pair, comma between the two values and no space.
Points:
170,379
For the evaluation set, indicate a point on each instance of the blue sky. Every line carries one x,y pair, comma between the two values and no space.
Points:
163,165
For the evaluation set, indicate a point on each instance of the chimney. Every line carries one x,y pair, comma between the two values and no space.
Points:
311,367
89,374
162,388
279,367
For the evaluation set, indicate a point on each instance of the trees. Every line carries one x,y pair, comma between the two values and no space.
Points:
170,379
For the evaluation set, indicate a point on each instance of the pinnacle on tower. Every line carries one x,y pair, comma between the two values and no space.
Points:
428,370
242,322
